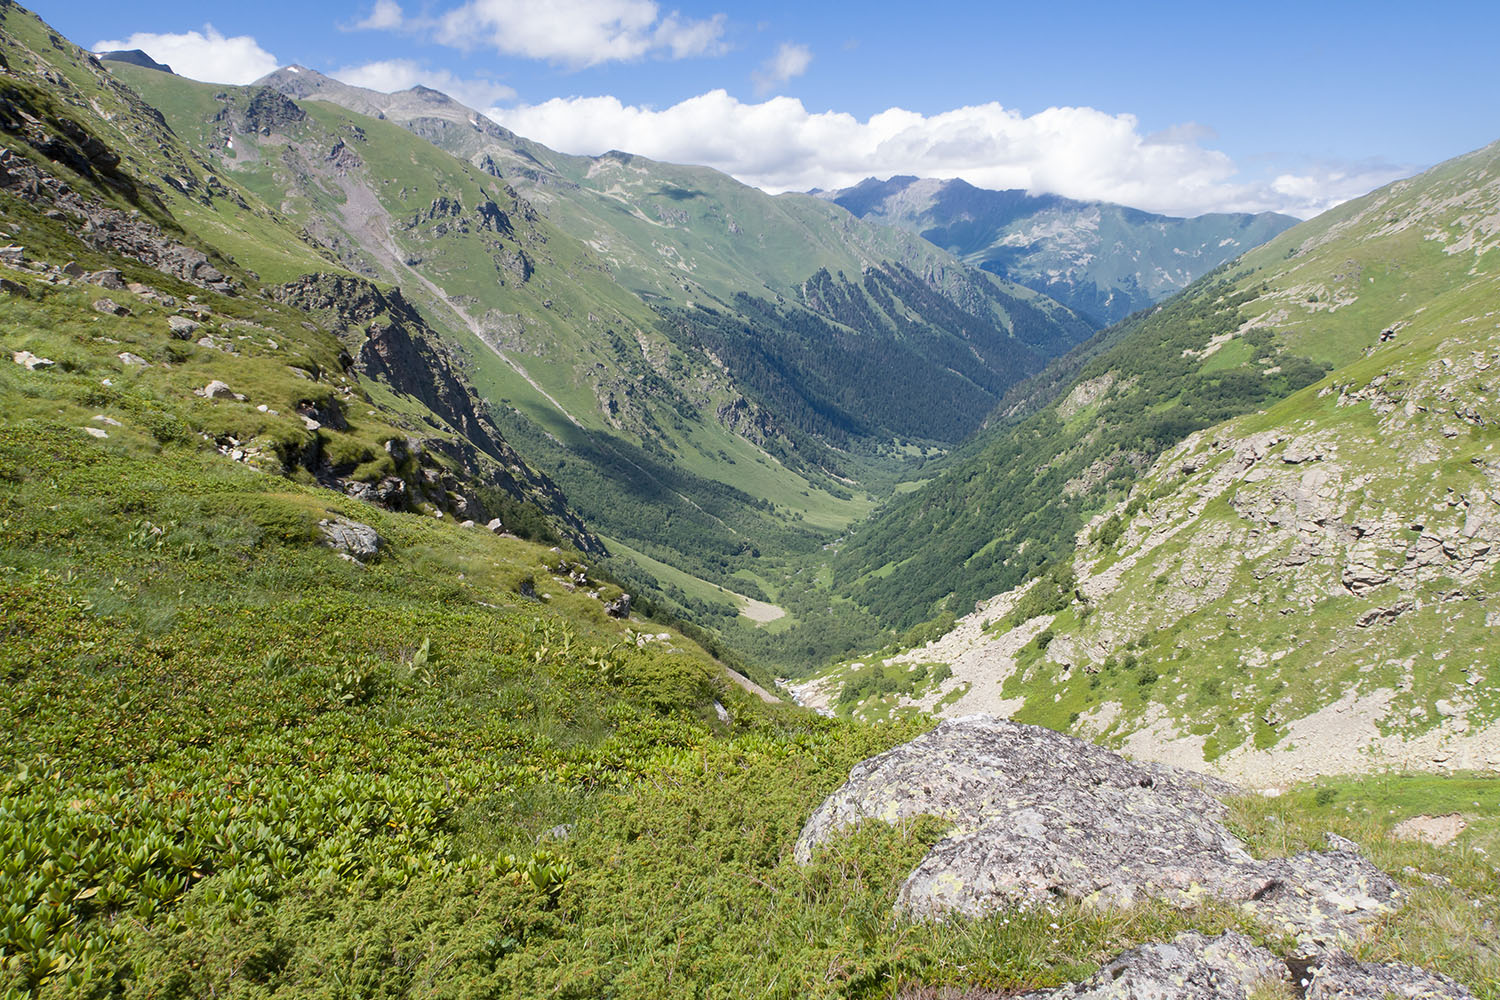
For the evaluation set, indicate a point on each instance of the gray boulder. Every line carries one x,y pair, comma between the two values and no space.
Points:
107,278
181,327
1339,977
1037,815
1190,967
215,390
351,539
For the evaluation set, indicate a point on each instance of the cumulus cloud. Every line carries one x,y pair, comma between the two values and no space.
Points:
386,15
579,33
205,55
789,61
1322,185
390,75
779,145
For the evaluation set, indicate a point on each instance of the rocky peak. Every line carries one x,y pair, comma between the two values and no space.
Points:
271,111
135,57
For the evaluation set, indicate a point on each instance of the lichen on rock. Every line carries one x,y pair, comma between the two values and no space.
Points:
1036,815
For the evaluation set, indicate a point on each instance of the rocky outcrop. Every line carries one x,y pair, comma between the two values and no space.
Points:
353,539
111,230
270,111
1038,815
1339,977
1190,967
61,140
1231,967
390,341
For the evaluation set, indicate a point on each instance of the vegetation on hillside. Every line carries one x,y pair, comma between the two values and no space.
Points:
1014,500
238,763
244,758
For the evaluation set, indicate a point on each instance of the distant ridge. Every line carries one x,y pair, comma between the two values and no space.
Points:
1100,259
136,58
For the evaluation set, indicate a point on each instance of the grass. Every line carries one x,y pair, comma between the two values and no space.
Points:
1451,908
237,764
244,764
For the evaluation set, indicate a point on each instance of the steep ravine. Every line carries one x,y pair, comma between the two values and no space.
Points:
1299,592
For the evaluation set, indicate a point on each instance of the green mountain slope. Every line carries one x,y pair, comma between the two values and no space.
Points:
363,398
1299,590
683,236
1266,325
1104,261
271,730
707,371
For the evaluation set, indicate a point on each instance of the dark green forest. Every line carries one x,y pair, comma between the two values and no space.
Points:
1029,484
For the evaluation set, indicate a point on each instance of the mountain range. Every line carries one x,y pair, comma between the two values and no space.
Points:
1299,589
413,541
1103,261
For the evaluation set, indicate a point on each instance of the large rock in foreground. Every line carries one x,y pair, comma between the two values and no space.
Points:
1190,967
1232,967
1038,815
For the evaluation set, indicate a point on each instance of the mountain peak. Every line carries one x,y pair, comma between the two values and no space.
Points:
136,57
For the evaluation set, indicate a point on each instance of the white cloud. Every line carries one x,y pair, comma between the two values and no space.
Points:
205,55
778,145
578,33
1321,186
790,60
387,14
391,75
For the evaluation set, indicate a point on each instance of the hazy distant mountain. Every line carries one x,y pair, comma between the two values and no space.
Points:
1103,260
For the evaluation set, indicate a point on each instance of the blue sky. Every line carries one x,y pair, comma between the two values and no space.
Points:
1173,107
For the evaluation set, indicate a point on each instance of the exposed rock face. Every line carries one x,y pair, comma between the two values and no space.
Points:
271,111
107,229
1339,977
390,341
350,538
1190,967
1230,967
1037,815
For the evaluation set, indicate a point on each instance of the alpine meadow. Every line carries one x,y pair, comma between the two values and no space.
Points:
933,554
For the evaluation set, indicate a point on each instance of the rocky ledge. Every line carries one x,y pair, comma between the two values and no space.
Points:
1037,815
1231,967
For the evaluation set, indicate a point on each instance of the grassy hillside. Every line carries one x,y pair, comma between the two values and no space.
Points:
1295,590
238,763
1316,296
266,738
